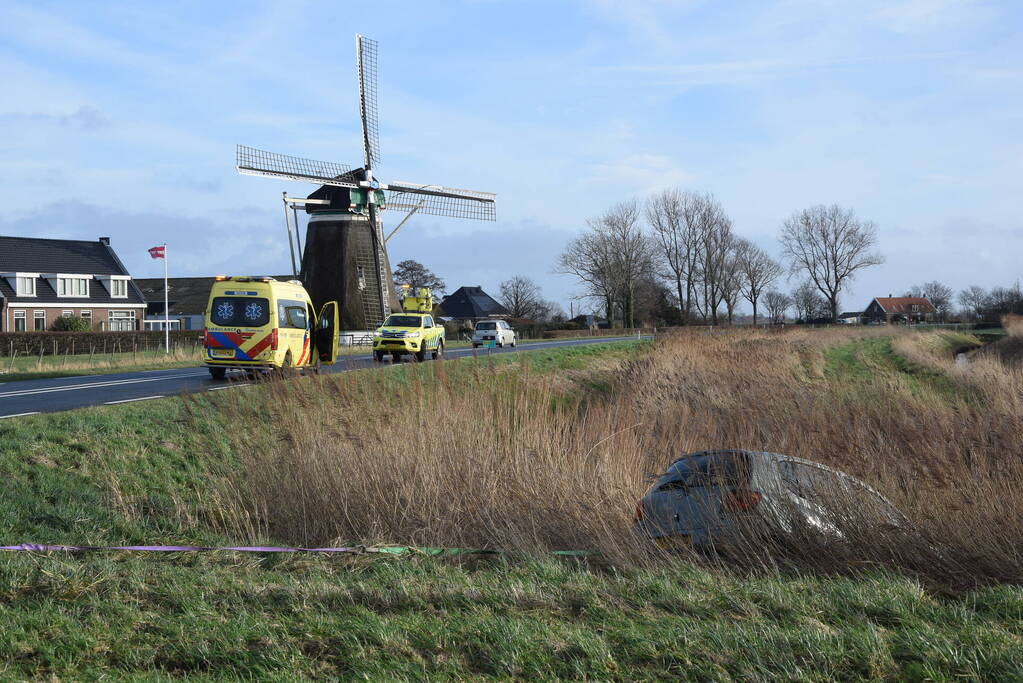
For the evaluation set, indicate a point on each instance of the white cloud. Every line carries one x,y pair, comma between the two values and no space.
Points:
916,16
641,173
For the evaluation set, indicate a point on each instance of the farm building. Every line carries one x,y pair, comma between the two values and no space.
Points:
899,309
850,317
471,303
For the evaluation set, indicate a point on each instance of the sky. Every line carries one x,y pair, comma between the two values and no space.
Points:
121,119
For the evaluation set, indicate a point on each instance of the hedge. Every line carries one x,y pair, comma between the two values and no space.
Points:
74,343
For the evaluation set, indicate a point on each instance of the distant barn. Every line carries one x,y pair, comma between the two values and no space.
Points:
896,309
471,303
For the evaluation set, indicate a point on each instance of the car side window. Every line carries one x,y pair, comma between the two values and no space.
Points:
297,317
292,314
427,321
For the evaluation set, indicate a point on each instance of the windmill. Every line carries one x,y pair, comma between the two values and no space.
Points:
345,256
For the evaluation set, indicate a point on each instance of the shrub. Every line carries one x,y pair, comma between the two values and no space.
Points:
70,323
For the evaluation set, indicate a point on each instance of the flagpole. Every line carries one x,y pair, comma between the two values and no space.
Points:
166,308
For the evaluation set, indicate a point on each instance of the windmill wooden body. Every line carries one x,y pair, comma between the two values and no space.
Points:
345,254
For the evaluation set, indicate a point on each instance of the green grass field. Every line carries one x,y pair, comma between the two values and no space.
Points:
48,367
142,474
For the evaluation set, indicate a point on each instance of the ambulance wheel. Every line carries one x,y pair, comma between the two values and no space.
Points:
378,356
218,373
420,355
439,352
395,357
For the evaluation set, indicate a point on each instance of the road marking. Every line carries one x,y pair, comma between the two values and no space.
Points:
90,385
4,417
230,386
129,400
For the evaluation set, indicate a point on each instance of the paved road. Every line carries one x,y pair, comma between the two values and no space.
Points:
31,397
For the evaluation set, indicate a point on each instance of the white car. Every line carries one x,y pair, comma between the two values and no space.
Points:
497,331
727,495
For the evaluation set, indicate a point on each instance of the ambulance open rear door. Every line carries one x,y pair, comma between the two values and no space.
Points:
327,333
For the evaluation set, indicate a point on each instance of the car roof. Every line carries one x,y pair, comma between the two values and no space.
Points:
766,456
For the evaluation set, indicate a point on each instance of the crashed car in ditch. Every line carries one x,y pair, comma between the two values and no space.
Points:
710,497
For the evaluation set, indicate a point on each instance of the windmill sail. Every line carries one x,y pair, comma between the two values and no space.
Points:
436,200
252,161
366,57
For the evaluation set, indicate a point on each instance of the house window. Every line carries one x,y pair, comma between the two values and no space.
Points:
39,321
19,321
73,286
119,288
26,286
86,315
121,321
67,314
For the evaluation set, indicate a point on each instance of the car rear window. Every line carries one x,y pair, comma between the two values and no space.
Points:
707,470
239,311
486,326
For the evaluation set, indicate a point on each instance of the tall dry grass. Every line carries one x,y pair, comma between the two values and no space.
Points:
458,455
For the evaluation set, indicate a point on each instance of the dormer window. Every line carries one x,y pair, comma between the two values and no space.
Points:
73,286
26,286
119,288
23,284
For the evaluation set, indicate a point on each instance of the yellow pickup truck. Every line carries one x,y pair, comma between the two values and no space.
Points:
413,331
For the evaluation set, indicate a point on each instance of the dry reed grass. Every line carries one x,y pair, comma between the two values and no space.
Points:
461,455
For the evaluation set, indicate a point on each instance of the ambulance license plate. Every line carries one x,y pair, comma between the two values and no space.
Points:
223,353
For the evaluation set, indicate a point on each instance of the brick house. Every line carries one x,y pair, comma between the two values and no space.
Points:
897,309
43,279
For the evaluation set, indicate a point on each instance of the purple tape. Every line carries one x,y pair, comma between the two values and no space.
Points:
39,547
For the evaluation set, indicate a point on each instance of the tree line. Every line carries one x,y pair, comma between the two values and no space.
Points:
678,253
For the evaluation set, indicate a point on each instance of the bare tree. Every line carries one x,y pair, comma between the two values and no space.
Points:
521,296
679,221
416,275
731,281
777,304
759,271
938,294
830,244
632,253
808,302
973,300
588,257
715,262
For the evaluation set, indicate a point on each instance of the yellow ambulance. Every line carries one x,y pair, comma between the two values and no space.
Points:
260,323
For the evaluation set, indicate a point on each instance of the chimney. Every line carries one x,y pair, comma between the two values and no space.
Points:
105,240
889,295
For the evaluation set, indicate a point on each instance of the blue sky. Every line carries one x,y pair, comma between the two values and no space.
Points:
121,120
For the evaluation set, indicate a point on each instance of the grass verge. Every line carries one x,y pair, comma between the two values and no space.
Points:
155,473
